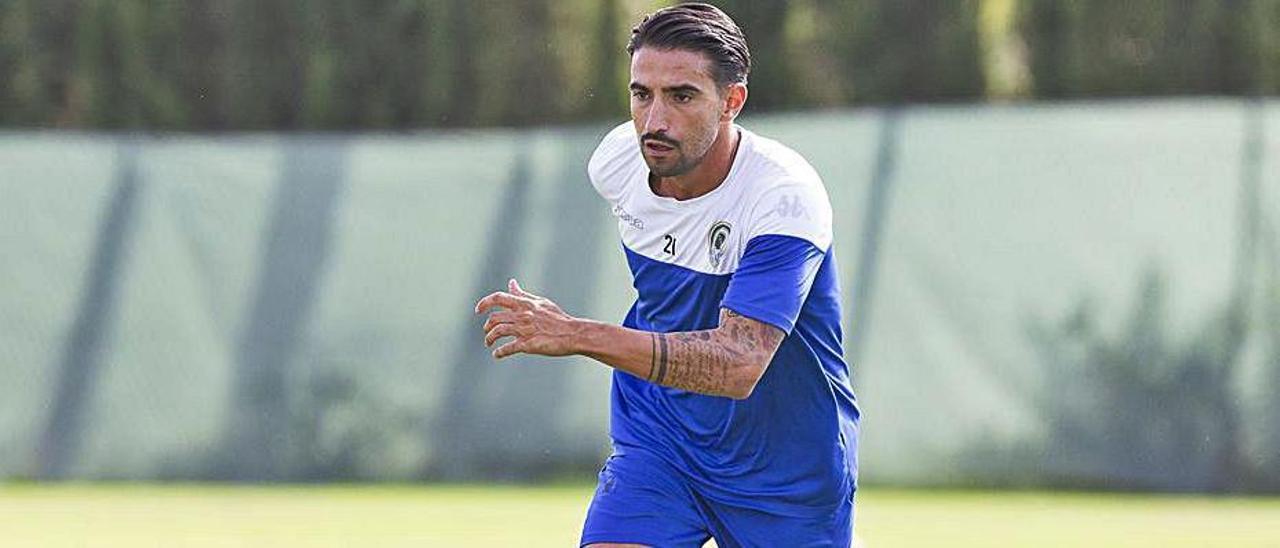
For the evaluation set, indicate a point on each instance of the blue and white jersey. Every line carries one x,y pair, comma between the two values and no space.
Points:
760,245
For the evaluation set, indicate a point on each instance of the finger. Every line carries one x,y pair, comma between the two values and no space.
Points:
502,299
497,298
501,316
514,287
482,301
503,330
513,347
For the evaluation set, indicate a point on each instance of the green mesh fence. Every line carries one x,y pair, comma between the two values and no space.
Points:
1081,294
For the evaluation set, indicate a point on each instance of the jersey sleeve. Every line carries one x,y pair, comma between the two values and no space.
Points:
610,161
799,208
788,237
773,279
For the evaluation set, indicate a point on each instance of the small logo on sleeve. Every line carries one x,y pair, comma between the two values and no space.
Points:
790,206
718,240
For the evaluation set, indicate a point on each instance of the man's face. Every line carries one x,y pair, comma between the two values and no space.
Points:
675,107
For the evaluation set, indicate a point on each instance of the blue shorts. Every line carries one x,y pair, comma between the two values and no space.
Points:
642,499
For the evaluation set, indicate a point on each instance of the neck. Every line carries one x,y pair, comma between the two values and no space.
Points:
709,174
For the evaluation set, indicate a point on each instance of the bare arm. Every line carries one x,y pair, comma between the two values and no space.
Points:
726,361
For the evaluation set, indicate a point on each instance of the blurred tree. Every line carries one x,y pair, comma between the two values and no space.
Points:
35,39
909,50
205,27
1003,50
15,35
764,21
1150,47
366,64
1264,18
461,78
266,69
608,93
528,72
373,64
124,64
1046,27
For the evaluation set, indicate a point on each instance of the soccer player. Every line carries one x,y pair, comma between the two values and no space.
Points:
732,413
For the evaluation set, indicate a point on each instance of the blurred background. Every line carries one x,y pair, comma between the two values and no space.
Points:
241,240
285,65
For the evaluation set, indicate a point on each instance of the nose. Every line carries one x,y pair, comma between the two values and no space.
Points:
656,120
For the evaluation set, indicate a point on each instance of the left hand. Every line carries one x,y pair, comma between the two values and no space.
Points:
538,325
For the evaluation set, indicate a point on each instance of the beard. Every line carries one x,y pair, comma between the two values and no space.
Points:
676,162
671,166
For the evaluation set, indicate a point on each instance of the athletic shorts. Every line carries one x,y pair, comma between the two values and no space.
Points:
642,499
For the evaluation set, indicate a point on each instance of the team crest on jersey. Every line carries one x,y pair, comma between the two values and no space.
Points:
718,240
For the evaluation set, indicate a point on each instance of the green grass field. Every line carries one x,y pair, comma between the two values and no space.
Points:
282,517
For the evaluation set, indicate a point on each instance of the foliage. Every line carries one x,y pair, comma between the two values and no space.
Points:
1152,47
399,64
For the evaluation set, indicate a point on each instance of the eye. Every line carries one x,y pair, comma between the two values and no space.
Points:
639,94
683,97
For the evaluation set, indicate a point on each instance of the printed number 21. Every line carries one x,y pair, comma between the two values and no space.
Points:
670,247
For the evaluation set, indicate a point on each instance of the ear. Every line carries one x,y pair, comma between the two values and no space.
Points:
735,97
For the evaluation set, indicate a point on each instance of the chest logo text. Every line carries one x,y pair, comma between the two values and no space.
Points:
627,218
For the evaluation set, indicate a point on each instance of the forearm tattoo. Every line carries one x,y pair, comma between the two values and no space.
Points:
658,365
713,361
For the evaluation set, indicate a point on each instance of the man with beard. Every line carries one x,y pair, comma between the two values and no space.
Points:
732,412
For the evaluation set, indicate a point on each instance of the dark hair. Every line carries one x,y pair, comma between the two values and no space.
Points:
701,28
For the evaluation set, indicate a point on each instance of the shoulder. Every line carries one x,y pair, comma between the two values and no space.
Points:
613,158
788,197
